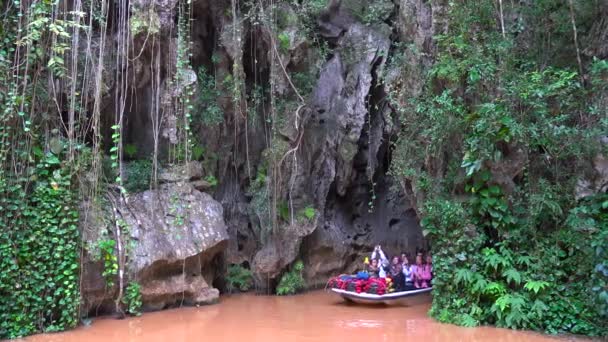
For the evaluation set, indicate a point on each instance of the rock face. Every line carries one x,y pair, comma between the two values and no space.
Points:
341,137
176,233
307,131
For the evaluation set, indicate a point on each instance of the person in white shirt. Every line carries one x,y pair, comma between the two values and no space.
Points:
408,273
383,263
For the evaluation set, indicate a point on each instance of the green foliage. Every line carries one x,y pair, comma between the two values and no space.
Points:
305,82
506,137
314,7
211,180
284,211
308,212
239,278
210,113
259,208
303,215
110,261
138,175
130,150
115,152
198,152
370,12
132,299
284,42
39,249
292,282
592,216
145,21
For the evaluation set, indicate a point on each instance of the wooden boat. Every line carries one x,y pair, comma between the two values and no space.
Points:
408,298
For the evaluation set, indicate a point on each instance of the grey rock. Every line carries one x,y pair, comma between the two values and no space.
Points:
175,234
193,170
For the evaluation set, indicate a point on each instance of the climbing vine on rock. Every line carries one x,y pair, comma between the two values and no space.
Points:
39,251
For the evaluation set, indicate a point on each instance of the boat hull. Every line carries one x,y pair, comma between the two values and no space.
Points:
406,298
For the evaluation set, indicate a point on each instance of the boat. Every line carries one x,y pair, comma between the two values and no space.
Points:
407,298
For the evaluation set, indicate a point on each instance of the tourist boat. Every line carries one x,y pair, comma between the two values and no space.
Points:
408,298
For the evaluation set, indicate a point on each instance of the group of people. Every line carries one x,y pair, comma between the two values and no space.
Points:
404,275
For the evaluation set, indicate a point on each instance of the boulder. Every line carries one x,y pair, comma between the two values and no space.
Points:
269,262
175,234
193,170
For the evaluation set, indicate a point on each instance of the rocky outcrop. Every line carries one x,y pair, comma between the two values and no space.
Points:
301,129
175,234
598,182
338,148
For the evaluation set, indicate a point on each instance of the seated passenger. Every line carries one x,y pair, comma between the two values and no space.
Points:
423,275
408,273
427,271
396,274
383,263
418,271
373,268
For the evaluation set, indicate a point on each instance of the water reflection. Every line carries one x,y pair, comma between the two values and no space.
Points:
316,316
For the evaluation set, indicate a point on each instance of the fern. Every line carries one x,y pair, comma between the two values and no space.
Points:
464,276
495,289
292,282
536,286
468,321
239,278
524,260
512,275
309,213
539,307
479,285
503,302
495,260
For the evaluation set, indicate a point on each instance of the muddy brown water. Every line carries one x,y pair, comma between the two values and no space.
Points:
315,316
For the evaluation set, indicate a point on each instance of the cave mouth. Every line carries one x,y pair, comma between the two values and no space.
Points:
373,208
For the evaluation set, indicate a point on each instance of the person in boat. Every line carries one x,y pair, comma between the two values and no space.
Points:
417,271
373,268
396,273
423,273
427,270
383,264
408,274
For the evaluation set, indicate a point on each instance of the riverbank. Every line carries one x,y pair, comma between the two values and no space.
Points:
314,316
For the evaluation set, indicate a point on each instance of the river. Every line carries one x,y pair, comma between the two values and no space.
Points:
315,316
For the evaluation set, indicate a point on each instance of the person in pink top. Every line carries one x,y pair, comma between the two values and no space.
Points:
417,271
423,272
427,271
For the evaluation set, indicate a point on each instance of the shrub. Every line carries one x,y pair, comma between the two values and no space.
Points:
132,299
138,175
292,282
239,278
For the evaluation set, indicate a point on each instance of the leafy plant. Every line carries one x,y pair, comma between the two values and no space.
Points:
211,180
292,282
208,93
308,213
239,278
284,41
110,261
370,13
130,150
198,152
138,175
132,299
39,250
506,139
